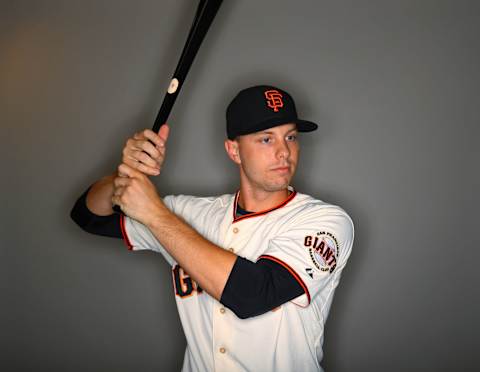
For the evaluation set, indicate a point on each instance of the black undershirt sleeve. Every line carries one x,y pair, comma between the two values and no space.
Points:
92,223
255,288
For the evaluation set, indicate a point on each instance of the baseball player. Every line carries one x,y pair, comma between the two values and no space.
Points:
254,272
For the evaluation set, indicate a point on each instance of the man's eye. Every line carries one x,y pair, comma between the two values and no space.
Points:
266,140
292,137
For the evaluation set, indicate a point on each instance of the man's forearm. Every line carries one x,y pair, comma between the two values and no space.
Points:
99,197
205,262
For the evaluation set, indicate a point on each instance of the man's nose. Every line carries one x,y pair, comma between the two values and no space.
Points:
283,151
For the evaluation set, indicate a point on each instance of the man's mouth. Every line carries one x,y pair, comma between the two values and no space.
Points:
282,169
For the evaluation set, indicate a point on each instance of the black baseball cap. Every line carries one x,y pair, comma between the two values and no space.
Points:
261,107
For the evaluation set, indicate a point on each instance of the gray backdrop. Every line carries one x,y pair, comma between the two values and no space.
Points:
395,86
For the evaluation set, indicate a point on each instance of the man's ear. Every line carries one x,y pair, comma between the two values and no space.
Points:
231,147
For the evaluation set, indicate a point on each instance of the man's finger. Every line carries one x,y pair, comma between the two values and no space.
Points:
163,132
118,191
128,171
144,158
148,148
154,138
153,170
145,169
139,136
121,182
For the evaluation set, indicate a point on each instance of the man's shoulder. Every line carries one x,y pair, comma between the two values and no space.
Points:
305,204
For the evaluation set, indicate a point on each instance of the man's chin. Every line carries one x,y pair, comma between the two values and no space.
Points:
277,186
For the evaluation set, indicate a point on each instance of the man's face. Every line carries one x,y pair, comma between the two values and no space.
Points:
267,159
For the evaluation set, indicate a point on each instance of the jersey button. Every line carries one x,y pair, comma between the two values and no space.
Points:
235,230
231,249
222,310
222,350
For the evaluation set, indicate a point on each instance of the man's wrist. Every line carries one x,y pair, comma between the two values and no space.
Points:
159,215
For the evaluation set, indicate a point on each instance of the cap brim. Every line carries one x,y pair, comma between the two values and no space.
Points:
305,126
302,126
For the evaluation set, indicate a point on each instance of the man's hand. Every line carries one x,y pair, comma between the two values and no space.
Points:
145,151
136,195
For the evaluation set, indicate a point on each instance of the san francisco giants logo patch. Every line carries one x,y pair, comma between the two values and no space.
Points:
274,99
323,249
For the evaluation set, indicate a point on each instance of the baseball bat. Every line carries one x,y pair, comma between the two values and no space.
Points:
204,16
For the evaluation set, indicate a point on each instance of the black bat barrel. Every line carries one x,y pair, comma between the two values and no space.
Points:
205,14
206,11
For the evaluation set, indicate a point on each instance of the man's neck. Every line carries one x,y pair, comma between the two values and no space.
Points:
257,201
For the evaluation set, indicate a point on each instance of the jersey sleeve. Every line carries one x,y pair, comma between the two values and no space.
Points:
314,248
138,237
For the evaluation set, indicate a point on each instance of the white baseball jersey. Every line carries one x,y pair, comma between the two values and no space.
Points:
310,238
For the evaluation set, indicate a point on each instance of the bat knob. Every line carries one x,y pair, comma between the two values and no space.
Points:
117,209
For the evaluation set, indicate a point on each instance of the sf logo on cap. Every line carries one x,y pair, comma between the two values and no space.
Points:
274,99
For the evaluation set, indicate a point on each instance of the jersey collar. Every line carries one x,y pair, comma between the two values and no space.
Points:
290,197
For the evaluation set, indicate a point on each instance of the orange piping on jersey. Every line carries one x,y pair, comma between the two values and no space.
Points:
256,214
290,270
124,232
